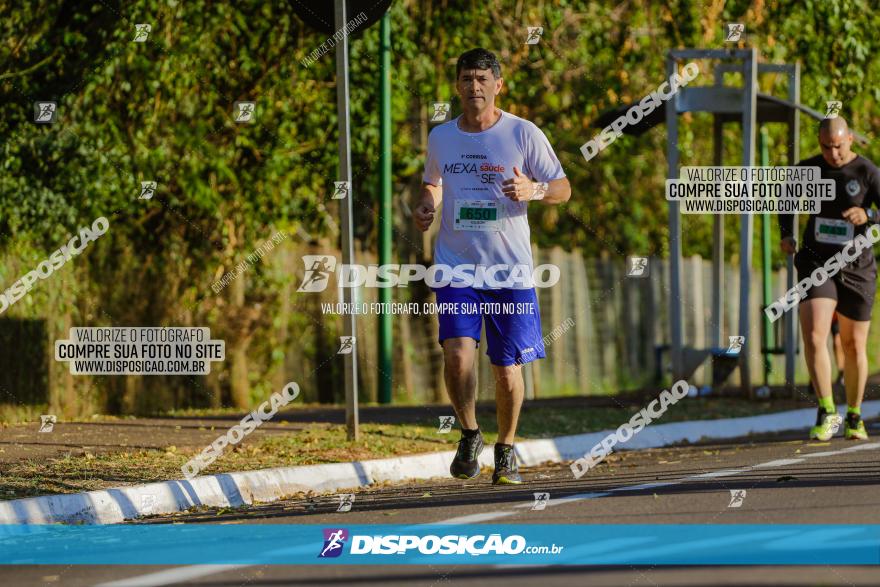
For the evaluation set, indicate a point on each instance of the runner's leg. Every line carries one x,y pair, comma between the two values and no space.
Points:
815,316
512,339
509,391
839,358
854,339
856,300
460,376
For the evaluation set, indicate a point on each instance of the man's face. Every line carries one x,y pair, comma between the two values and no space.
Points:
836,147
477,89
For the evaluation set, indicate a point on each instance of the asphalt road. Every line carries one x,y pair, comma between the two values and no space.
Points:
786,481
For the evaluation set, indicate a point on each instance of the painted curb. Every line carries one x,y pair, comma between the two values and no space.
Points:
112,506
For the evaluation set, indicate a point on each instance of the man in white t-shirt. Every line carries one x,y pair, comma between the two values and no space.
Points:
486,166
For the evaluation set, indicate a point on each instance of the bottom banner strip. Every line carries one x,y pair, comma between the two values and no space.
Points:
498,544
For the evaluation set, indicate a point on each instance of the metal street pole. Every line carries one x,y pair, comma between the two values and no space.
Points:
385,331
672,159
747,221
348,320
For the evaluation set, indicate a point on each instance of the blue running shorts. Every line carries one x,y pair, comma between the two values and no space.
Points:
513,321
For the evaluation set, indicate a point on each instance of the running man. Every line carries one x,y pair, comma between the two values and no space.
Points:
851,291
489,164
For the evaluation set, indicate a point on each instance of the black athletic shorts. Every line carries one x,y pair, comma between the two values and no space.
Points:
853,287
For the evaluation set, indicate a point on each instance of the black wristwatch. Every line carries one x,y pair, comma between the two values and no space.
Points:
872,215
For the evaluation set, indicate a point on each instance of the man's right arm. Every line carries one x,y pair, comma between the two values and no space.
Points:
786,230
432,195
429,201
788,242
432,190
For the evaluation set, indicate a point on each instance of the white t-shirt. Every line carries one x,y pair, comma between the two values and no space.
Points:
479,224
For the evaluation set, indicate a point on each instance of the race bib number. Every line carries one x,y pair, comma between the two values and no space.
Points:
833,232
483,215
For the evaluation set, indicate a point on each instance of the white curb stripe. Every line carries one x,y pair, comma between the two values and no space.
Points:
779,463
644,486
869,446
171,576
827,453
571,498
476,518
716,474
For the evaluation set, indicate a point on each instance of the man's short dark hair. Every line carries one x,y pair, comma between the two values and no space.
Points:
478,59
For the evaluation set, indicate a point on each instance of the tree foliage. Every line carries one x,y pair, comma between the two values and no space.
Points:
162,110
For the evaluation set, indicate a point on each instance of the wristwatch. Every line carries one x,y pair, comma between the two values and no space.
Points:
541,188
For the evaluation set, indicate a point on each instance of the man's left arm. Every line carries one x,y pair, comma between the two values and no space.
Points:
555,191
520,188
542,177
865,213
872,201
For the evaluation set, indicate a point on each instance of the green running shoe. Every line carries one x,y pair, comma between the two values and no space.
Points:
465,464
826,426
854,429
506,469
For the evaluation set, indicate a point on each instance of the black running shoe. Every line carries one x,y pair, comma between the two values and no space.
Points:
506,470
465,465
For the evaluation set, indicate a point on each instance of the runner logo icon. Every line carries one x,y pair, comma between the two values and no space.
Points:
638,267
340,190
441,112
346,345
148,189
244,111
334,542
142,32
535,33
346,500
44,112
446,423
832,108
734,31
541,500
318,271
736,344
737,497
148,503
47,423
